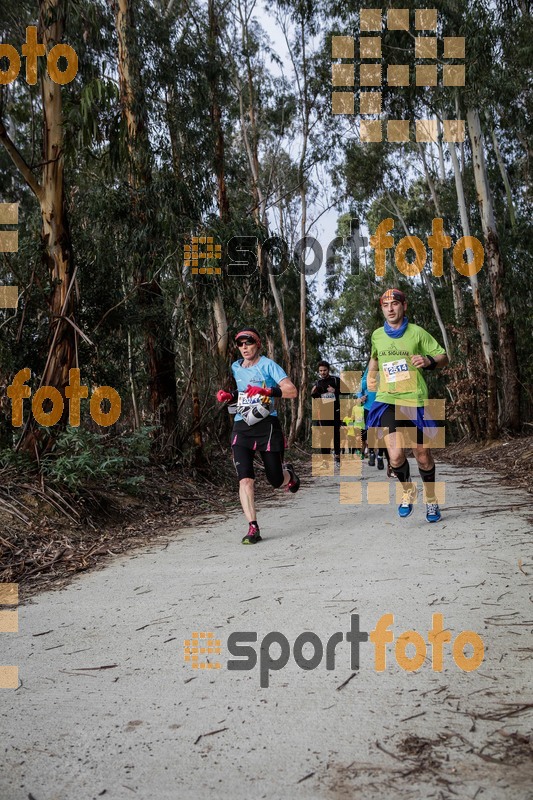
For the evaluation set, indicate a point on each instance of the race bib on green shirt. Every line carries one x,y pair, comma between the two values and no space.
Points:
396,371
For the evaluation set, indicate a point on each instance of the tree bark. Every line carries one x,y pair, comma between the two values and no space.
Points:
481,317
221,326
251,143
457,297
442,172
219,165
159,346
458,303
496,267
195,396
55,235
505,178
216,113
305,112
426,281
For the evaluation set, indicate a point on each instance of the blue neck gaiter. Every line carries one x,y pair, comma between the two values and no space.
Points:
396,333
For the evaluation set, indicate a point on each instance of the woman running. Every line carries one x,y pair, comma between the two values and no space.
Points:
256,428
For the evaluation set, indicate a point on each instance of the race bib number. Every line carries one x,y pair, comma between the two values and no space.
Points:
328,396
396,371
243,400
251,409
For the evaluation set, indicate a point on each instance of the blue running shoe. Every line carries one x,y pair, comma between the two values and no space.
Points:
406,506
432,512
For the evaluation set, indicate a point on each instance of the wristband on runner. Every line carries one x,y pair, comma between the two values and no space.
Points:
432,364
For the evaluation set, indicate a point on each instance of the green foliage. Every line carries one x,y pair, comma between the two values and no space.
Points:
17,460
119,228
83,459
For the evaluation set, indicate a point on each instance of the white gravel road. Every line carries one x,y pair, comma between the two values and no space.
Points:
150,726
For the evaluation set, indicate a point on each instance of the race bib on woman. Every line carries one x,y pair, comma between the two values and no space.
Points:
252,409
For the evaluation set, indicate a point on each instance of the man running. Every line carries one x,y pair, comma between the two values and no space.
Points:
328,387
400,351
256,428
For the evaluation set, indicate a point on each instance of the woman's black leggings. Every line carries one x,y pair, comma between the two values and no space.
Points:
243,458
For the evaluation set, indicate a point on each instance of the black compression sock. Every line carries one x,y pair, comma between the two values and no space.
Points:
428,477
403,473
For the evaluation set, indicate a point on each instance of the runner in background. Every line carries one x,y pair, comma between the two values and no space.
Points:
368,398
328,387
260,382
359,425
354,424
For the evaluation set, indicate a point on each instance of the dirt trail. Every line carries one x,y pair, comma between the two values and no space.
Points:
109,708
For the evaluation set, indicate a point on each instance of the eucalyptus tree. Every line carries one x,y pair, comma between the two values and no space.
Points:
46,180
140,166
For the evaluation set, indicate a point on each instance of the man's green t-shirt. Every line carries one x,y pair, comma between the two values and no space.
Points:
400,383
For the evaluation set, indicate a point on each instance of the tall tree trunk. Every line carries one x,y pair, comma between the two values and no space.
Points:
55,234
130,95
219,164
216,113
195,396
442,171
494,260
159,346
281,320
457,297
131,375
426,281
175,136
305,112
481,317
251,143
221,326
505,178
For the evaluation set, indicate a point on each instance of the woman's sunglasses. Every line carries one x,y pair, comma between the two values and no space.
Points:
240,342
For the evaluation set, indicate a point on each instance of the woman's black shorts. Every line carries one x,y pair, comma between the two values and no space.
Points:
265,438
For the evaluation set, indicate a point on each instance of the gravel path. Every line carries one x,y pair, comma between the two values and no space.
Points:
109,708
